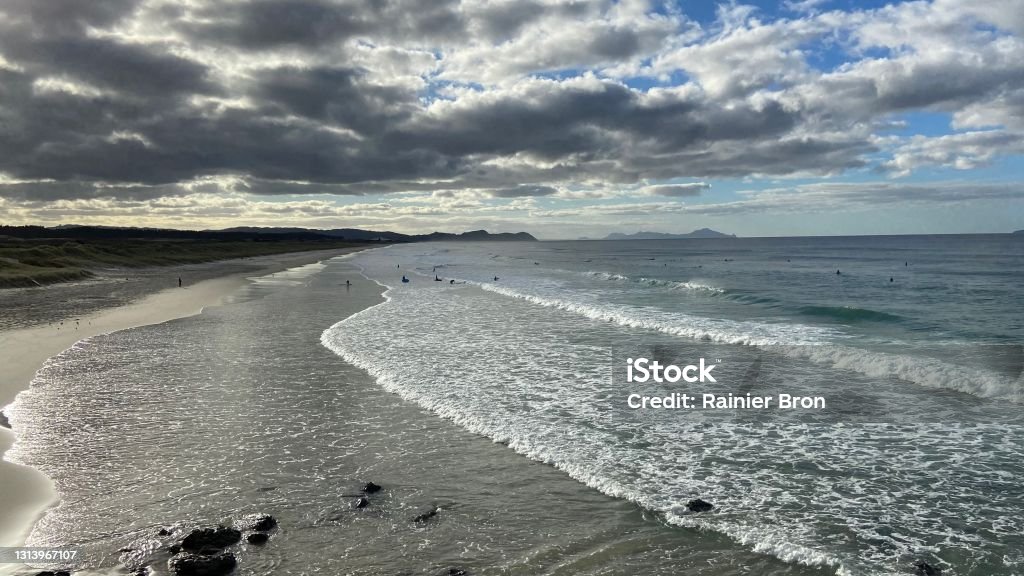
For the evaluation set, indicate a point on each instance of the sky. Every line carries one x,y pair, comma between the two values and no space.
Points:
563,119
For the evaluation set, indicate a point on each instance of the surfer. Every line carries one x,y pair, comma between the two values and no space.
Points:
436,279
495,278
404,279
452,281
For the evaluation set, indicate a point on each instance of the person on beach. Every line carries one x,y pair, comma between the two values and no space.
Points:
179,281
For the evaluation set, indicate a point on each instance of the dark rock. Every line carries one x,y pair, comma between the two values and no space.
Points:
371,488
699,505
257,522
360,502
926,569
426,515
186,564
219,537
455,572
174,549
257,538
3,420
57,573
163,532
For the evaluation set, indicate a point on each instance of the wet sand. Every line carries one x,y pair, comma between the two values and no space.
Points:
23,351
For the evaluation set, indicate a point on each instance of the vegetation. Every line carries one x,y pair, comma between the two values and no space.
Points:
38,262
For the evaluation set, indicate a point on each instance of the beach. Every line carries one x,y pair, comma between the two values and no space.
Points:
24,350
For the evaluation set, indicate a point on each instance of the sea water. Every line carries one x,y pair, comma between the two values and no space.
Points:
913,341
504,402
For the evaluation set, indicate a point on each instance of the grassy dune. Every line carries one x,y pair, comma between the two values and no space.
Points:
35,263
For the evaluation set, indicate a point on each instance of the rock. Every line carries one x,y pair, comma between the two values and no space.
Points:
455,572
699,505
174,549
371,488
427,515
7,423
219,537
257,538
257,522
186,564
926,569
163,532
360,502
57,573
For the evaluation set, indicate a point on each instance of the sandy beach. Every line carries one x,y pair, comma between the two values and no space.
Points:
23,351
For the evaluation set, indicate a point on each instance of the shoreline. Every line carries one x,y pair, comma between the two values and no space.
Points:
28,492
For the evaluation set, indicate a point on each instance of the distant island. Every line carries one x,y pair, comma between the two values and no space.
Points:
702,233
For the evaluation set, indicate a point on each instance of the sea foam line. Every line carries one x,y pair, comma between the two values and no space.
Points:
927,372
690,286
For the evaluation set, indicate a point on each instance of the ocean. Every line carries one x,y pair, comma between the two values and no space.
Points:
493,385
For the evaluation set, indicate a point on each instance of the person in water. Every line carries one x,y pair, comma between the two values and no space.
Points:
436,279
404,279
495,278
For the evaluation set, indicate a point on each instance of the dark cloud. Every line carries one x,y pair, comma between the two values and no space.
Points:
66,16
680,190
337,96
268,24
124,69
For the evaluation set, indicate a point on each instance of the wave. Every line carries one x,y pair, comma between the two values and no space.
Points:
927,372
697,328
849,314
392,378
692,286
793,340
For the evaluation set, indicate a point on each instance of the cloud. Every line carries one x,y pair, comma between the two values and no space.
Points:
964,151
523,192
832,197
678,190
522,100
